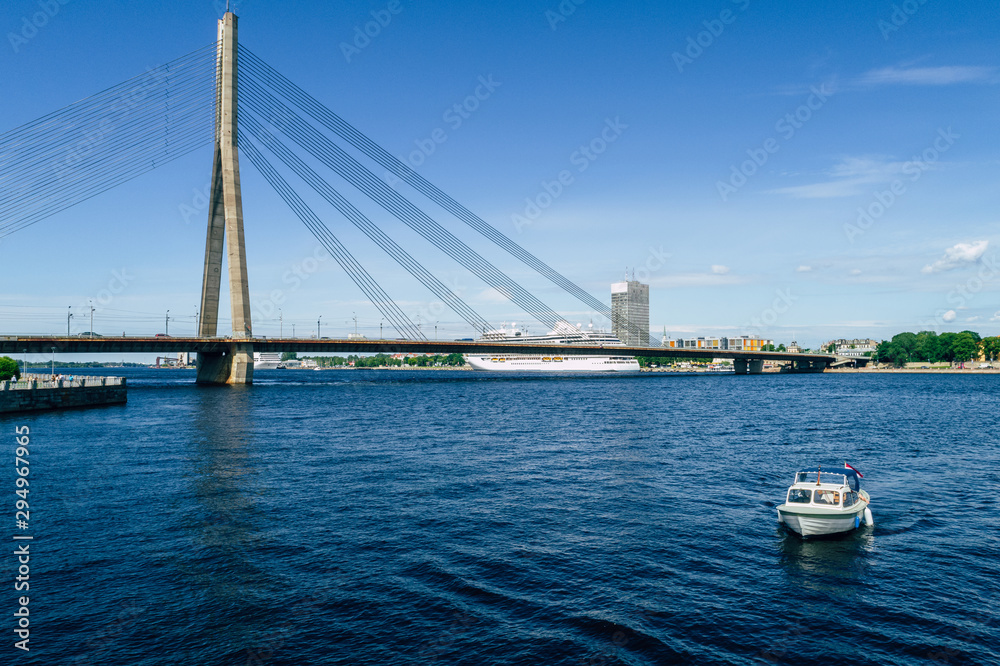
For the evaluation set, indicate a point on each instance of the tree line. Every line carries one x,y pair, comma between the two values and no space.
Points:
929,347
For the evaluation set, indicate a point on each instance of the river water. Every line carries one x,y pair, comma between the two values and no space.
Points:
407,517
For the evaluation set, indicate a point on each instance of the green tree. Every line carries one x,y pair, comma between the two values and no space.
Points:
289,356
8,368
830,348
965,347
991,348
907,344
927,347
782,347
946,347
890,352
975,336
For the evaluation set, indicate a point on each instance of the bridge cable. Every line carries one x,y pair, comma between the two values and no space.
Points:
81,145
362,222
348,168
344,258
95,144
94,118
363,143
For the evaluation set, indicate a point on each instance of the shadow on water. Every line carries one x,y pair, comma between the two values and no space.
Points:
221,524
831,565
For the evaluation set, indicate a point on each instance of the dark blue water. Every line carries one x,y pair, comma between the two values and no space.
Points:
384,517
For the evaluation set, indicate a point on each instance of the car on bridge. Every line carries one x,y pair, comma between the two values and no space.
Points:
89,334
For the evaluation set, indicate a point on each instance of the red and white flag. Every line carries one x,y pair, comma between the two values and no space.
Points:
859,473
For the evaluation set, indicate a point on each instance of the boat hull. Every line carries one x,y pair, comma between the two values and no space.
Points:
819,524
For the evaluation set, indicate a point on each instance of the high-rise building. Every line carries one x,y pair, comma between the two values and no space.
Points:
630,312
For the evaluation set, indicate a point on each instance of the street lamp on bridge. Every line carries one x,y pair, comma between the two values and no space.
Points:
318,336
166,324
281,325
69,315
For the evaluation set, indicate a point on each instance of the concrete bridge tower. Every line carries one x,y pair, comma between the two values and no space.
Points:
225,232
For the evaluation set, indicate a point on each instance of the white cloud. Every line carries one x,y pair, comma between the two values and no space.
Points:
850,176
958,256
719,269
856,271
949,315
996,316
972,318
491,295
803,269
926,76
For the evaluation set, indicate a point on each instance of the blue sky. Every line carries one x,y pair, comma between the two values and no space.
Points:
799,171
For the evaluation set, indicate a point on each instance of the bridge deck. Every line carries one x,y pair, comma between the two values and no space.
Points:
163,344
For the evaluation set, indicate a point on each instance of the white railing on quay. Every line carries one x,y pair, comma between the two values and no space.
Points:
31,382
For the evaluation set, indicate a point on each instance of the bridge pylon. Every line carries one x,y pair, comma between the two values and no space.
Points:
225,231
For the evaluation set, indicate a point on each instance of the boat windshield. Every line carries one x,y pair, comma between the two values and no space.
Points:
799,496
848,478
828,497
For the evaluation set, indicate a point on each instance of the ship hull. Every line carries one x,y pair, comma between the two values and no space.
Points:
589,364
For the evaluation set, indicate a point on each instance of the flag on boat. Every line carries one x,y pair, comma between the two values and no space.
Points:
859,473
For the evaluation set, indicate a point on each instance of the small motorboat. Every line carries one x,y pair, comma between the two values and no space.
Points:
821,502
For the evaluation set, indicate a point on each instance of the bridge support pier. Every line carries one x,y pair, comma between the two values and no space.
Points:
807,366
225,232
229,367
748,366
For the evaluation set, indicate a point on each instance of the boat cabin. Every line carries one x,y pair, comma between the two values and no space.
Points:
833,490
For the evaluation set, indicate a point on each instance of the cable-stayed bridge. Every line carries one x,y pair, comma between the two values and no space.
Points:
226,96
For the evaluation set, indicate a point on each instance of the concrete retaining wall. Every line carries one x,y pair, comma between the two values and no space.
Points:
30,394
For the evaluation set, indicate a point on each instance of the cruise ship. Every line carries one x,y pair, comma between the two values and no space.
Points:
564,334
267,360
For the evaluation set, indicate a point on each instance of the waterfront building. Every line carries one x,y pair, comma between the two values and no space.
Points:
855,347
747,343
742,343
630,312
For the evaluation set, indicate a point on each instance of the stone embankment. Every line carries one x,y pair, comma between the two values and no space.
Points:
38,392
